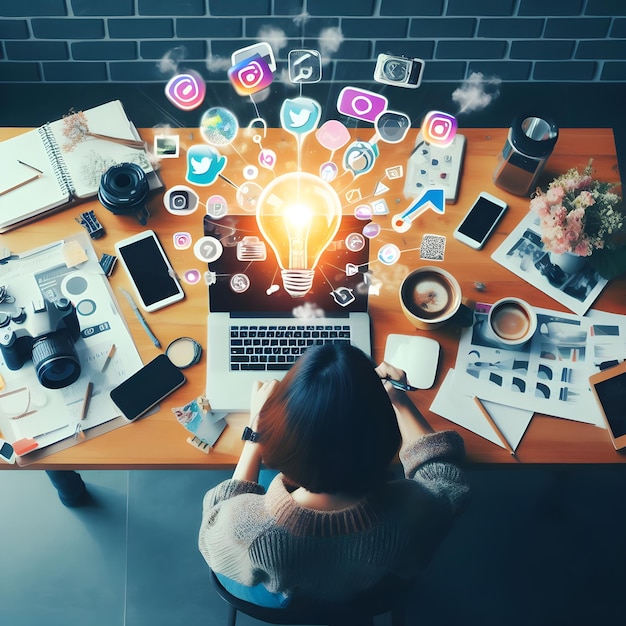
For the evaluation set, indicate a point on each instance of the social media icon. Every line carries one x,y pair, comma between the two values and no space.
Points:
305,66
363,212
204,164
355,242
343,296
192,277
216,207
439,128
262,48
180,200
186,91
181,240
359,157
250,76
300,116
392,126
371,230
267,158
328,171
332,135
239,283
218,126
360,103
208,249
389,254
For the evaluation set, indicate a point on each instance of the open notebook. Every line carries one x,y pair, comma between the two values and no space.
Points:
52,166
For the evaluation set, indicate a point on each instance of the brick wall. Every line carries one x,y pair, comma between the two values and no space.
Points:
139,41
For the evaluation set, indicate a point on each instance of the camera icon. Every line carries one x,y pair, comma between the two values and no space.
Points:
251,75
398,71
179,201
439,128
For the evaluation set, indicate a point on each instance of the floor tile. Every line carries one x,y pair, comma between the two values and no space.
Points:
62,566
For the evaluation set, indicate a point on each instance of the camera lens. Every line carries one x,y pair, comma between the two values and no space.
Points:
395,70
124,189
55,360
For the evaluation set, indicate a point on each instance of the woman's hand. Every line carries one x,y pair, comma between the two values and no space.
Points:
386,371
259,395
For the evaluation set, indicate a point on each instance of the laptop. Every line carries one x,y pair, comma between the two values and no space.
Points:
256,330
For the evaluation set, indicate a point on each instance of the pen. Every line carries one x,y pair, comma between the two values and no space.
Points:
400,385
139,316
493,425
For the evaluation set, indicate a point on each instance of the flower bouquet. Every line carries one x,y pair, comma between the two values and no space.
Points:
583,216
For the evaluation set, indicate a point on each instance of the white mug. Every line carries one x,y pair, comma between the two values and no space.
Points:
511,322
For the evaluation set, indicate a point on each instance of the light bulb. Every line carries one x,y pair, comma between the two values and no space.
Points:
298,214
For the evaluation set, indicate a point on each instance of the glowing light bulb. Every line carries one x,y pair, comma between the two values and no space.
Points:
299,215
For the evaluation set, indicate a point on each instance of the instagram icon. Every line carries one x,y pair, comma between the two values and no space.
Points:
186,91
439,128
251,75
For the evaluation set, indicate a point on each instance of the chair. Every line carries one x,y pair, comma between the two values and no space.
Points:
360,611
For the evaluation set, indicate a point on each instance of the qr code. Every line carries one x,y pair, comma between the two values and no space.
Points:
432,247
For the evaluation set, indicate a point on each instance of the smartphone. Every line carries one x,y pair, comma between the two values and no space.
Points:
147,387
480,220
609,390
149,270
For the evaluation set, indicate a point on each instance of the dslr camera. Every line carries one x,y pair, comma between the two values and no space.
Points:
398,71
45,332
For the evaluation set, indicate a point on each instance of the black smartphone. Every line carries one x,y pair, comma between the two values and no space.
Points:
480,220
147,387
149,270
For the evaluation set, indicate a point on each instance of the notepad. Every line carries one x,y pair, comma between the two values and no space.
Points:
61,162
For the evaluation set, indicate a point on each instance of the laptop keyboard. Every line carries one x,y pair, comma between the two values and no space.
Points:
277,347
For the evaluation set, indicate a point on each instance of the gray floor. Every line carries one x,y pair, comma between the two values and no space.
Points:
537,546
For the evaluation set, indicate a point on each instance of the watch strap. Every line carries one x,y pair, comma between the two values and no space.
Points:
250,435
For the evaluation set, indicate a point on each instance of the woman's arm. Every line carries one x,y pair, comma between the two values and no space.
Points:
411,422
250,460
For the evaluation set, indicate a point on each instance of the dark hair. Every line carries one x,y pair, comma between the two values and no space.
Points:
329,426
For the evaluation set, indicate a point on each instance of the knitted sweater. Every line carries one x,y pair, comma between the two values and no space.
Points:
255,537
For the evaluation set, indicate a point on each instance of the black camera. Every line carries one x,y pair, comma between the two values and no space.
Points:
45,332
398,71
124,190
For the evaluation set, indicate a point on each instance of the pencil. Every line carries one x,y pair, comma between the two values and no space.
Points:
399,384
86,399
24,182
493,425
109,357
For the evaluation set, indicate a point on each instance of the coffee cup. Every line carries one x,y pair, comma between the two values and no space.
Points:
511,322
430,296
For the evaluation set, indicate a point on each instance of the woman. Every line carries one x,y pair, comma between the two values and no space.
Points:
331,523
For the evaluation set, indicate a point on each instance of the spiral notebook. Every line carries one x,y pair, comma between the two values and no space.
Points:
60,163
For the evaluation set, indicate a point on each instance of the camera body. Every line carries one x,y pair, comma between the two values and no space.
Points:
45,331
399,71
124,190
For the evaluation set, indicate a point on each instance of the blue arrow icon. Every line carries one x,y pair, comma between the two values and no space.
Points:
432,199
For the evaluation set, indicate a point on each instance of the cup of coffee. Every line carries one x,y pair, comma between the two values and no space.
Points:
431,296
511,322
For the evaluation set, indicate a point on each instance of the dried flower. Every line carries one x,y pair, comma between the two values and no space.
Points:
578,214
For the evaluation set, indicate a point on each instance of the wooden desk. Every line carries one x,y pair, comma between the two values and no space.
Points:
160,442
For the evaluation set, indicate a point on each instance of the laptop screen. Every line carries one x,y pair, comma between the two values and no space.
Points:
247,277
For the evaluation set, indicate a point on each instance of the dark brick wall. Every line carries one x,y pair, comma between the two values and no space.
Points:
125,40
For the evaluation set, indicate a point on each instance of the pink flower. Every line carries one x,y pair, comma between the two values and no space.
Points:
555,195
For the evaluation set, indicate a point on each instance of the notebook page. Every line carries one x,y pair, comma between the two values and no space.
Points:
36,196
87,158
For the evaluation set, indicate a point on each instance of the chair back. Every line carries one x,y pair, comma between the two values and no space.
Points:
361,610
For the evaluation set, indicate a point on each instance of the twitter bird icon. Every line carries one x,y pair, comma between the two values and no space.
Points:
300,116
204,164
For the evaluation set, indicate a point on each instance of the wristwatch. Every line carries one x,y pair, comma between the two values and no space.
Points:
250,435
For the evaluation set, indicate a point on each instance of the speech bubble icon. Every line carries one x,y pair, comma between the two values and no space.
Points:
332,135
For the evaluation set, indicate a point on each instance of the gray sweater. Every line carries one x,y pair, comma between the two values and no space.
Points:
256,537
